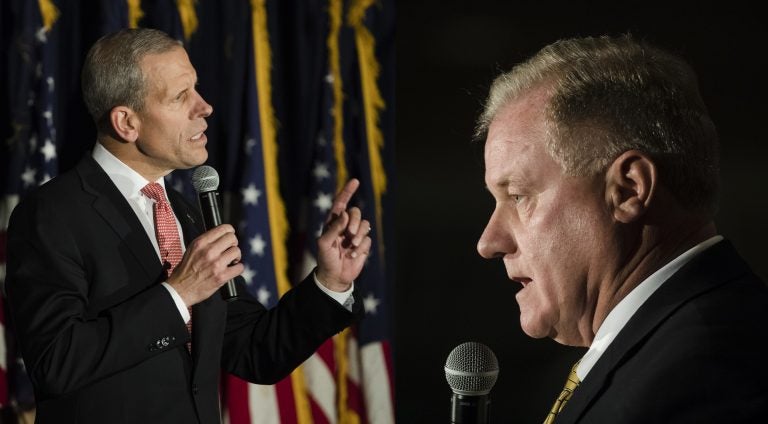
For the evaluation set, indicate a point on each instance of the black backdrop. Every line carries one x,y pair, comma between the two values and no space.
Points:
448,53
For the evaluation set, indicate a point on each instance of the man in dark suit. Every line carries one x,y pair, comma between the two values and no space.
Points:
101,288
603,162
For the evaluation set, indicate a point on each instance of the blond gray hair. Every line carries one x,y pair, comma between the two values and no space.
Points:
609,95
112,73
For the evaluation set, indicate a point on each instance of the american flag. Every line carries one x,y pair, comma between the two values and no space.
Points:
30,153
365,145
360,358
349,378
262,233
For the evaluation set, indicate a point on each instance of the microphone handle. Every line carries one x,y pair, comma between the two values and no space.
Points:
467,409
210,207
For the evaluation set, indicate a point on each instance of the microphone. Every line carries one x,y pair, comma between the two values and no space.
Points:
205,180
471,371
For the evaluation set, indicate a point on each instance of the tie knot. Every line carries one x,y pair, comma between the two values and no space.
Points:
154,191
573,378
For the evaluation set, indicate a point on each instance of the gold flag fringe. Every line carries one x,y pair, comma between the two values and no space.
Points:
278,222
49,13
134,13
373,103
188,17
340,347
341,352
337,111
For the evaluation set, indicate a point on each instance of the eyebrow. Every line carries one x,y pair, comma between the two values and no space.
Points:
186,88
509,180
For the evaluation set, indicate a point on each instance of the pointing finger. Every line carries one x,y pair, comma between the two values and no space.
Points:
343,198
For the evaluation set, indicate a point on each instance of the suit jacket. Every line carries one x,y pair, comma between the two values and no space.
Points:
103,341
695,352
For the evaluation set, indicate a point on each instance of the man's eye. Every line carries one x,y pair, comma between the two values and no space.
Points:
517,198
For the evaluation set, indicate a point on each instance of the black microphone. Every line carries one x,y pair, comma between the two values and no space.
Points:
471,370
205,180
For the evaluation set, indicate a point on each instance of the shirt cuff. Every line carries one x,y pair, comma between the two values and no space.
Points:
182,307
344,298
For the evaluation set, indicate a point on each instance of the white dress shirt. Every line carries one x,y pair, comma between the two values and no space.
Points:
627,307
130,183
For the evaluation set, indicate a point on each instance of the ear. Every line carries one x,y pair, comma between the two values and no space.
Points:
125,123
630,185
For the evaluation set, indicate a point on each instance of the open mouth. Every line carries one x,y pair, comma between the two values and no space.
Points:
198,136
522,280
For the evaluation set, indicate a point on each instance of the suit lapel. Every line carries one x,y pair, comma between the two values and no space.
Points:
713,267
191,222
118,215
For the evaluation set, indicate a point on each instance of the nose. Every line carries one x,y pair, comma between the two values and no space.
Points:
202,108
496,240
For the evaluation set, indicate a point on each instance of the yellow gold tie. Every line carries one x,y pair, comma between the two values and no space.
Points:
570,386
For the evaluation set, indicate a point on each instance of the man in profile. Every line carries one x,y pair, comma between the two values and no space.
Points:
603,162
112,282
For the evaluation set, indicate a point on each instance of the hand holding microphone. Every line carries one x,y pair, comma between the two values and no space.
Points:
205,180
212,260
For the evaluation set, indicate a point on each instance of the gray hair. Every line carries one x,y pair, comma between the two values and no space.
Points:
610,95
112,73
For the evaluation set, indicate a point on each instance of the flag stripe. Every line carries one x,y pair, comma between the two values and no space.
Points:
386,352
321,384
236,393
353,355
377,384
319,415
266,398
286,402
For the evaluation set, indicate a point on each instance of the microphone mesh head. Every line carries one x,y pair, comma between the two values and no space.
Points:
205,179
471,369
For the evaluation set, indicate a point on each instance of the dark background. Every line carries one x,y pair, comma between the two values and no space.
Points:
448,53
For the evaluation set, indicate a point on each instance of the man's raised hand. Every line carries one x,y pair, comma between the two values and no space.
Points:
344,244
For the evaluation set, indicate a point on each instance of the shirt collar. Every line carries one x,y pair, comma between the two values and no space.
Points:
127,180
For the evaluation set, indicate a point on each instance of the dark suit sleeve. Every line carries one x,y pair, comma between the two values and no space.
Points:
66,342
263,346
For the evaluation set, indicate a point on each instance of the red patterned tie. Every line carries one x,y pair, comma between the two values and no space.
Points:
167,235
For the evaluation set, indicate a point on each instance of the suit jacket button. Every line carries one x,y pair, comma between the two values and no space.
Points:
195,390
